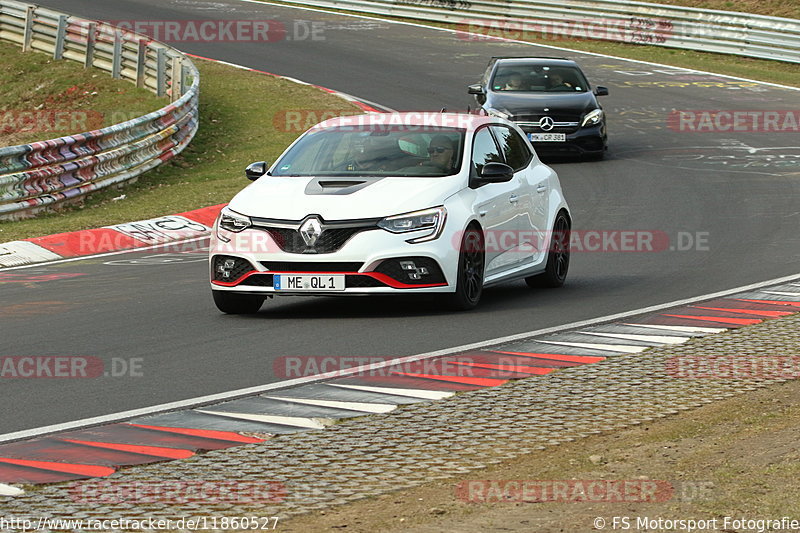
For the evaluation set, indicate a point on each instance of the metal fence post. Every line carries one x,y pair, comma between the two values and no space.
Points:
90,40
177,78
141,59
28,33
161,72
116,61
61,34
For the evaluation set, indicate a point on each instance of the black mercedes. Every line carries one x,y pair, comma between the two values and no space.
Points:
550,99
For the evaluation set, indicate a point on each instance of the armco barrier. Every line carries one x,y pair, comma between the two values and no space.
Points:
706,30
40,175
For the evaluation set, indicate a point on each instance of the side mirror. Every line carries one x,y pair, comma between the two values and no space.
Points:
255,170
475,89
601,91
495,173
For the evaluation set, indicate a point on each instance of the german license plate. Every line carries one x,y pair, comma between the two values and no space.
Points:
308,282
547,137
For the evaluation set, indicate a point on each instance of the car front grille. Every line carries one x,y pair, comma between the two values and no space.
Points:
334,235
562,123
309,266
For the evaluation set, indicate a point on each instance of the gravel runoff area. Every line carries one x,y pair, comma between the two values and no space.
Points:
415,444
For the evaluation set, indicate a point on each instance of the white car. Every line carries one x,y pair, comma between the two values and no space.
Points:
393,203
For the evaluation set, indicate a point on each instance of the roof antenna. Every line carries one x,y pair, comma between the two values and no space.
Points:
444,110
469,109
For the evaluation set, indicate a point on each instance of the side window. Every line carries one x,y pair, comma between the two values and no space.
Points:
484,150
515,149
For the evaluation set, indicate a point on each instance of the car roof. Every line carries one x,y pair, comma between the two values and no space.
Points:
463,121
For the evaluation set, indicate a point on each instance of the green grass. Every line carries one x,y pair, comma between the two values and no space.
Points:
87,99
773,8
238,113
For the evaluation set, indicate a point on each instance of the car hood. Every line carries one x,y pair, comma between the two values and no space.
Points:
535,103
337,198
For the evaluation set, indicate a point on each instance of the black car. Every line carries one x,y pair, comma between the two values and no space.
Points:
550,99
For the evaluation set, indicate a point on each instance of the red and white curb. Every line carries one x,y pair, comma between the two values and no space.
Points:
84,449
128,236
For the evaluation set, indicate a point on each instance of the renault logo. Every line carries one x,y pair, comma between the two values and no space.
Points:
547,123
310,231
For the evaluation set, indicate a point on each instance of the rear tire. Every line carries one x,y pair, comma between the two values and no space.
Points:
237,304
555,272
469,279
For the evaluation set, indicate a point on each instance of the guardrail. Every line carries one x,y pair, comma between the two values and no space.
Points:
41,175
706,30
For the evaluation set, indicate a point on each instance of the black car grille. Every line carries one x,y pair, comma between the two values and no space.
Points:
258,280
358,282
334,234
227,268
308,266
428,270
563,123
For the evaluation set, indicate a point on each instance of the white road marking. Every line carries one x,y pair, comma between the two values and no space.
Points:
336,404
294,421
684,329
409,393
781,293
661,339
623,348
571,50
192,402
8,490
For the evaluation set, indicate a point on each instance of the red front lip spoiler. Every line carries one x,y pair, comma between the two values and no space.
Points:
383,278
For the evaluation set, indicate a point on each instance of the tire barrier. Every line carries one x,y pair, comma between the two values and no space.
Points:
42,175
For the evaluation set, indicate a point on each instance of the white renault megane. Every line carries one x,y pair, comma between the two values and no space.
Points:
393,203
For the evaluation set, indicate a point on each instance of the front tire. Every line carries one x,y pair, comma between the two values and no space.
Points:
469,278
555,273
237,304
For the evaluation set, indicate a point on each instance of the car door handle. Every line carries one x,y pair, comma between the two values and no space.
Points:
482,213
541,188
513,198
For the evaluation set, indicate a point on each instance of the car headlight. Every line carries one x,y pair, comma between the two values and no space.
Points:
592,118
230,220
428,219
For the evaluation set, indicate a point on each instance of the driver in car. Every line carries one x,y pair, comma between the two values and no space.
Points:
440,151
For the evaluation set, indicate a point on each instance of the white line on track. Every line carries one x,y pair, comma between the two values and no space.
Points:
107,254
193,402
503,39
213,398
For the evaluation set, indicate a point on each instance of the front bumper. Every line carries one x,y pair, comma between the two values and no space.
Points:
372,262
583,141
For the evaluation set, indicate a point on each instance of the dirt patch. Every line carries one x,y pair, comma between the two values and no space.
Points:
738,458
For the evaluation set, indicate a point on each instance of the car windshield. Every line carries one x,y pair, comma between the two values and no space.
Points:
375,150
538,78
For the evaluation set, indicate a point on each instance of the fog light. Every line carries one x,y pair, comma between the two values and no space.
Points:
408,265
226,267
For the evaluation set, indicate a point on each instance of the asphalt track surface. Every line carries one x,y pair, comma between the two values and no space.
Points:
738,192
